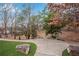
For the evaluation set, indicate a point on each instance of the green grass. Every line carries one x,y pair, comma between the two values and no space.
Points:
65,53
8,48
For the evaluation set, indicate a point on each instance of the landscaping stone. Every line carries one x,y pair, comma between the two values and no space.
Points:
23,48
49,36
74,50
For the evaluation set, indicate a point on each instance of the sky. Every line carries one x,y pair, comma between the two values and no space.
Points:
35,6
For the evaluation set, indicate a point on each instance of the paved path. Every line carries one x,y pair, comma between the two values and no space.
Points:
47,47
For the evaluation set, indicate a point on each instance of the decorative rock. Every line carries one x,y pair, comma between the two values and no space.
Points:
23,48
49,36
74,50
68,50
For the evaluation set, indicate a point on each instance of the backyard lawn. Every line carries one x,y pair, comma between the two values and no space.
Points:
8,48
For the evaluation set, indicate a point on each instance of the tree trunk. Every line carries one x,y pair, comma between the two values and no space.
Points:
28,36
19,38
14,36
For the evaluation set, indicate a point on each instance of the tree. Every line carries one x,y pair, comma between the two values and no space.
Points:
34,26
26,14
70,16
52,24
15,23
28,22
5,15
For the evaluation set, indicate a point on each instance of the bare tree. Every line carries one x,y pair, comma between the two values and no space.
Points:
5,16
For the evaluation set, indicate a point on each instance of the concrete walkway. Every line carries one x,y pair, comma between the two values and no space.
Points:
47,47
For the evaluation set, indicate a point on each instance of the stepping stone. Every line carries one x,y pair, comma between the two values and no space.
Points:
23,48
74,50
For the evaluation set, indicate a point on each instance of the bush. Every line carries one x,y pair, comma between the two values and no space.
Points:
65,53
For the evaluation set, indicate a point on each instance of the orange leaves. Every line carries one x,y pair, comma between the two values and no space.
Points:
55,21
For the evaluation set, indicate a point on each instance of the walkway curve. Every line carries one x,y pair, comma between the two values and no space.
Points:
46,47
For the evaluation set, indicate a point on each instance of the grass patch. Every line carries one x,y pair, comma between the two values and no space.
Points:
8,48
65,53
